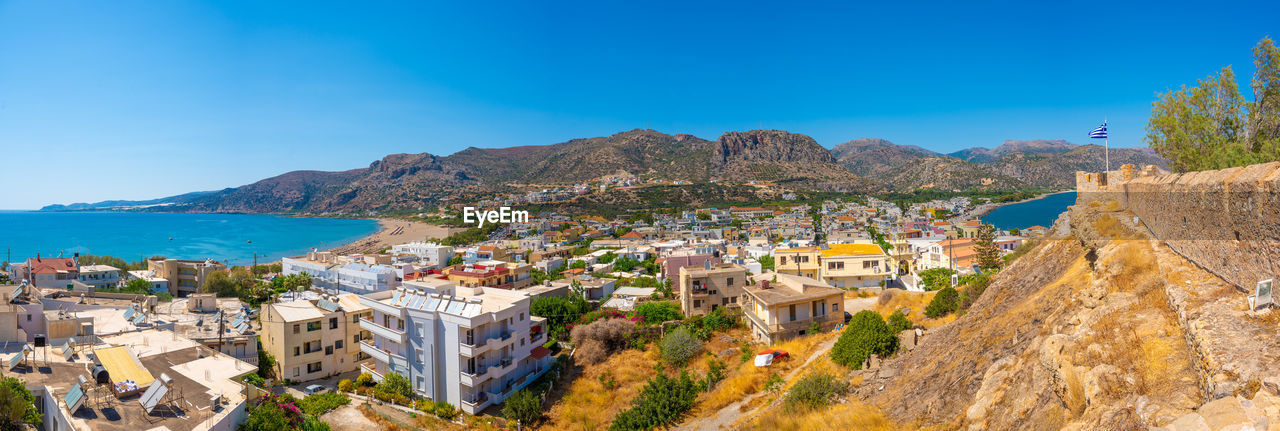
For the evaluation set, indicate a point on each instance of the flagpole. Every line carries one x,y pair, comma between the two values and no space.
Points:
1107,142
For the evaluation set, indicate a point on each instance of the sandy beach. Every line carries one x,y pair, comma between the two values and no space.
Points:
393,231
981,211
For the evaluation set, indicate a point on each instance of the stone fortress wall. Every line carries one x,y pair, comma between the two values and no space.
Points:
1227,221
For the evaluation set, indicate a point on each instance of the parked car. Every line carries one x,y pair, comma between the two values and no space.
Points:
847,317
315,389
767,357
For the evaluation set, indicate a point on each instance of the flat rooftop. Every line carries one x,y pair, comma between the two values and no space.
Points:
196,377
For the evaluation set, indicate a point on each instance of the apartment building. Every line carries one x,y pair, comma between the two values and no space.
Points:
592,288
314,339
840,265
854,265
469,346
490,273
430,253
340,273
801,261
783,306
710,286
184,276
100,276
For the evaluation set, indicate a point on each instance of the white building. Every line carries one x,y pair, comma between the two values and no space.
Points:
100,276
432,254
469,346
329,272
158,284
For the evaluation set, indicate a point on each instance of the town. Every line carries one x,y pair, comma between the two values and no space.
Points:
478,334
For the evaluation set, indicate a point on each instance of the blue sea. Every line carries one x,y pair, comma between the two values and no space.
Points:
1034,212
230,238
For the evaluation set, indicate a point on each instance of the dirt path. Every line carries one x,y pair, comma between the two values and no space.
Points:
348,418
728,415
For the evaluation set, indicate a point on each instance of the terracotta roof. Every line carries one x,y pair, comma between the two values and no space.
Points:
51,265
539,352
631,235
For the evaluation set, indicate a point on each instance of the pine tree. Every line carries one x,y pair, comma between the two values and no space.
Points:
985,246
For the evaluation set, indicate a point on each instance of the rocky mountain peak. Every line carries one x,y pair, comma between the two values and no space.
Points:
769,146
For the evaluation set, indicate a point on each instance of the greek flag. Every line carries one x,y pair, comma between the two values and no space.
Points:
1100,132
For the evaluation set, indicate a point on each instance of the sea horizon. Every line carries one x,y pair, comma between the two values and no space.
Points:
230,238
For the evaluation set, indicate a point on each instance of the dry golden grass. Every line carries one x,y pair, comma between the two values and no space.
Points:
916,302
1112,205
746,379
850,415
589,405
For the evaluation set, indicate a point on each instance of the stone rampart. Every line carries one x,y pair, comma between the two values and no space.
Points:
1227,221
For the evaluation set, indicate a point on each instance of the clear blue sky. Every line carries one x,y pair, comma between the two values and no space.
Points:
134,100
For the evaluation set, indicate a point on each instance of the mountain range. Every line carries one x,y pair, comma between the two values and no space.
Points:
792,160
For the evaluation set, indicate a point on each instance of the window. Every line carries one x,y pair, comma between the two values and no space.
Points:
522,316
782,260
355,339
328,350
296,372
355,319
28,317
697,303
333,323
729,282
792,310
295,329
313,367
835,265
337,344
312,347
867,264
835,306
297,350
313,326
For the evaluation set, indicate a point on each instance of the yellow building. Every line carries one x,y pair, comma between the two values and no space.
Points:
854,265
802,261
314,339
840,265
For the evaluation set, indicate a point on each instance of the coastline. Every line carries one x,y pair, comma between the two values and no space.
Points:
981,211
395,231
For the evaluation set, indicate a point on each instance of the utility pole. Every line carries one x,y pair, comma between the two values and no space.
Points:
220,328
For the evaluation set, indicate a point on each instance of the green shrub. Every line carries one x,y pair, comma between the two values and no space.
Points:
866,335
255,380
318,404
773,383
936,278
364,379
657,312
715,373
394,384
945,302
442,410
345,385
662,401
814,391
899,322
524,406
679,346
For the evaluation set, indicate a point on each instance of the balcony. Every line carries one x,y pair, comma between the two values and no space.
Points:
366,368
377,354
473,378
699,292
382,307
475,403
395,336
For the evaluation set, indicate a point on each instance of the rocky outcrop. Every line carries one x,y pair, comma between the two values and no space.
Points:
769,146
